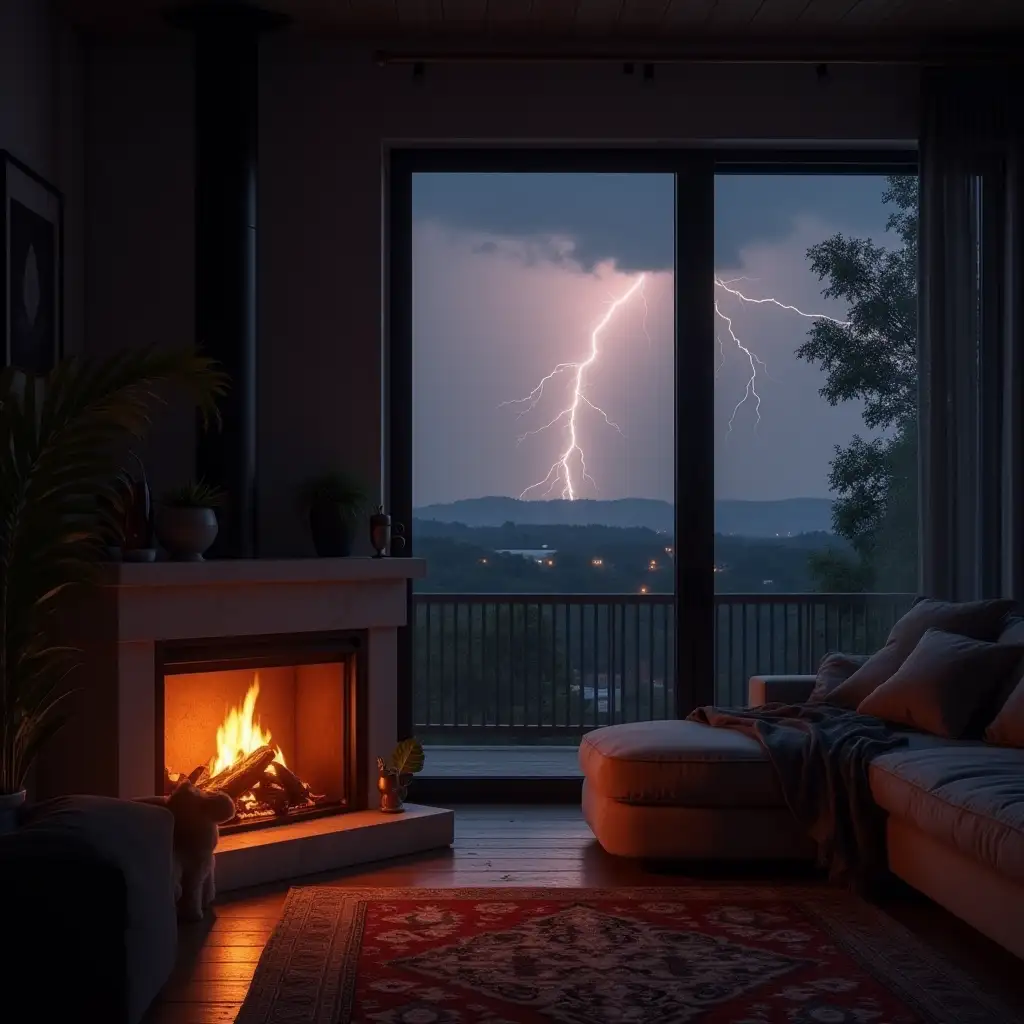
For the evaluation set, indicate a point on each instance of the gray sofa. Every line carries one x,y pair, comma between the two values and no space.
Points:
679,790
89,908
955,827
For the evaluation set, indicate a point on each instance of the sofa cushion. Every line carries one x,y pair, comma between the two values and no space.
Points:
680,764
1007,729
1013,633
980,620
968,795
835,668
943,683
791,689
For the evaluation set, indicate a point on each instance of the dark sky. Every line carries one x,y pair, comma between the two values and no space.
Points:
511,274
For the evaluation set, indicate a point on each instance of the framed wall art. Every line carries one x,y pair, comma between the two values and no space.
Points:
31,267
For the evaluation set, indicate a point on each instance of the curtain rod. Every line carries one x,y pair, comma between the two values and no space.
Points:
965,49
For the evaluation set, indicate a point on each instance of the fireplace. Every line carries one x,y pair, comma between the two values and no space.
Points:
170,649
278,722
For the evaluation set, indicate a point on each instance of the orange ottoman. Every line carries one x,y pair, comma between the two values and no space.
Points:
677,790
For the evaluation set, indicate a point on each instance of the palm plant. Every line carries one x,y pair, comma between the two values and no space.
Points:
195,494
64,442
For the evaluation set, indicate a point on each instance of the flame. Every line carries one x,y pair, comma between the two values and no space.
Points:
240,733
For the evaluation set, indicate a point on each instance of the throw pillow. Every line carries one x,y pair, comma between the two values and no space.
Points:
835,668
1013,633
942,683
1007,730
980,620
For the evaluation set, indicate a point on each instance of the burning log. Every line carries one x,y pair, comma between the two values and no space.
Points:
243,774
199,775
271,795
297,791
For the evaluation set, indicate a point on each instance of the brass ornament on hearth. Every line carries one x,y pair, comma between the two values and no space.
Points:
392,792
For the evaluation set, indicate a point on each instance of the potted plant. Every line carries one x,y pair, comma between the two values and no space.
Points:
64,443
335,503
394,776
186,523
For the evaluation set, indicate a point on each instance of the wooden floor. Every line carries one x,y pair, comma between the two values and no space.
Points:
497,847
504,762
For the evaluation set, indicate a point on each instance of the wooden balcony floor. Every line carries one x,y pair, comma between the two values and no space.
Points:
501,762
503,846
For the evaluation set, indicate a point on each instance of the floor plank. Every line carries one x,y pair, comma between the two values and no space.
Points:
501,762
194,1013
509,846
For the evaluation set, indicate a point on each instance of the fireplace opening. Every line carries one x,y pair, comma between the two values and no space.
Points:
275,722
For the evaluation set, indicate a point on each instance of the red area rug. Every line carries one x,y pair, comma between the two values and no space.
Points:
714,954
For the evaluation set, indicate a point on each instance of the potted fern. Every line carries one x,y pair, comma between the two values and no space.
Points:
394,775
186,521
64,444
335,502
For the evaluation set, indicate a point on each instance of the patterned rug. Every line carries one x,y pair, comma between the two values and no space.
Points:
714,954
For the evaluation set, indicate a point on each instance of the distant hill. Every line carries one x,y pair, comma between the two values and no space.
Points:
740,518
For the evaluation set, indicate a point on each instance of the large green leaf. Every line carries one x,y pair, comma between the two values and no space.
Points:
408,757
64,443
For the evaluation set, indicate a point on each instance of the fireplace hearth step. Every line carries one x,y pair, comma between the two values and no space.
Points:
329,844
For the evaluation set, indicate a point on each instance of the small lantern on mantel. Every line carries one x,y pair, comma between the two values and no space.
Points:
385,535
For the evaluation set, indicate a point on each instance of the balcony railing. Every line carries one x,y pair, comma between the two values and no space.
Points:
545,668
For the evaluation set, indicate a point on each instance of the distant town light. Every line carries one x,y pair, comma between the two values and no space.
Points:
643,590
668,551
549,561
652,564
483,561
597,561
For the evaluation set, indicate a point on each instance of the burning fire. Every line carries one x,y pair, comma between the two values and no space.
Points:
240,735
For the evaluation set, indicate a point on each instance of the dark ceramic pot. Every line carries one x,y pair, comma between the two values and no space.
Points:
331,530
186,533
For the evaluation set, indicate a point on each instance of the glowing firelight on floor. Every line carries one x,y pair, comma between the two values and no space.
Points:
240,734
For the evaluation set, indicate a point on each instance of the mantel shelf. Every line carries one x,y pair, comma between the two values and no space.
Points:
262,571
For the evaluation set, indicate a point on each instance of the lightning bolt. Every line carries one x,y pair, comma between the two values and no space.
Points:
561,468
750,391
561,471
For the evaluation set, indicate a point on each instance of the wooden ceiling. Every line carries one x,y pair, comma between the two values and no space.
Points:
501,24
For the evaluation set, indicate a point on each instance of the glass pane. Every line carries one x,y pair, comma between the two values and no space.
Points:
816,543
543,464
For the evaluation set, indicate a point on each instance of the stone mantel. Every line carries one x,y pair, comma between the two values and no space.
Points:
243,597
261,571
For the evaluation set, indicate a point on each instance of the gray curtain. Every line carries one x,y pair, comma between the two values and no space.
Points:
970,359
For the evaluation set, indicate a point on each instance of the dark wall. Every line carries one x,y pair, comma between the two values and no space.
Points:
41,123
327,117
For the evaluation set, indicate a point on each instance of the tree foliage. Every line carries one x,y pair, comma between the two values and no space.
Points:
872,359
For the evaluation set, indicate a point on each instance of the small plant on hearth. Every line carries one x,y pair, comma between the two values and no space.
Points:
395,775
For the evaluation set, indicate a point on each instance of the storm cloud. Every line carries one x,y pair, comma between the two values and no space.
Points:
629,218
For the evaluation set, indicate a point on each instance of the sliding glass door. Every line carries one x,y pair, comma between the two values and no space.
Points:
816,390
603,396
542,468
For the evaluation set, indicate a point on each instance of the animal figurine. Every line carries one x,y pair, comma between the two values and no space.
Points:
197,813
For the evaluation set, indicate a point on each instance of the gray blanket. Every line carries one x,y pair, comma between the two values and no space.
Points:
821,754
